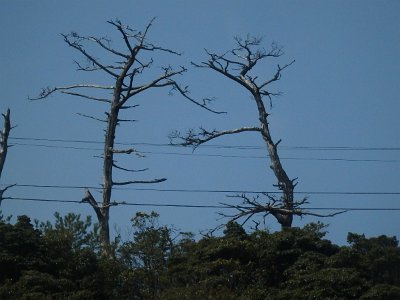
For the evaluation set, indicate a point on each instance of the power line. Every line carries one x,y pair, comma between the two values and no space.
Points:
217,155
56,146
283,158
314,148
226,191
55,140
203,206
118,203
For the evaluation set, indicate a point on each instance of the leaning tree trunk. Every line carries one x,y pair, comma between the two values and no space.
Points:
284,183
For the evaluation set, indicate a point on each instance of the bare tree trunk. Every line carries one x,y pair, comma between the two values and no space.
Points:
112,122
4,139
284,183
4,134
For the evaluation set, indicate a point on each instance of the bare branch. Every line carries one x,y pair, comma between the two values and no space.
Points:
90,117
2,191
128,151
113,203
224,71
139,181
7,187
307,213
277,75
140,37
4,198
196,139
184,92
99,41
145,45
118,25
75,44
275,207
127,120
132,75
88,197
161,81
164,81
45,92
244,59
129,106
86,96
91,68
129,170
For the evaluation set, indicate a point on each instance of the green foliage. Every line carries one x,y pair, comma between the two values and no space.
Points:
234,230
73,231
4,219
49,262
20,249
145,257
63,261
382,292
378,258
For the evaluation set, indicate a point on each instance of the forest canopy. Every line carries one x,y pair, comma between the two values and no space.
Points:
62,260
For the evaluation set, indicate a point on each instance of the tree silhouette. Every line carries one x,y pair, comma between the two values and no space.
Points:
238,65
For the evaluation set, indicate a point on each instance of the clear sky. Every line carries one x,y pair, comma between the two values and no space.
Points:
343,91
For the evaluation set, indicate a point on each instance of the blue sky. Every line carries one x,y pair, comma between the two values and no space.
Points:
341,92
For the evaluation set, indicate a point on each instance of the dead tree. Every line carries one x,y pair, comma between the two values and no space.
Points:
4,134
237,65
125,76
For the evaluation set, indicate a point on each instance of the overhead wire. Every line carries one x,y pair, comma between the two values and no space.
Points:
226,191
238,147
202,206
241,147
216,155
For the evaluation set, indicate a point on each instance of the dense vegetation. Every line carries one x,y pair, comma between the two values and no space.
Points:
63,261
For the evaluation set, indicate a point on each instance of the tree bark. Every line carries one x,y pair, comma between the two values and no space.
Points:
284,183
112,122
4,139
4,134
